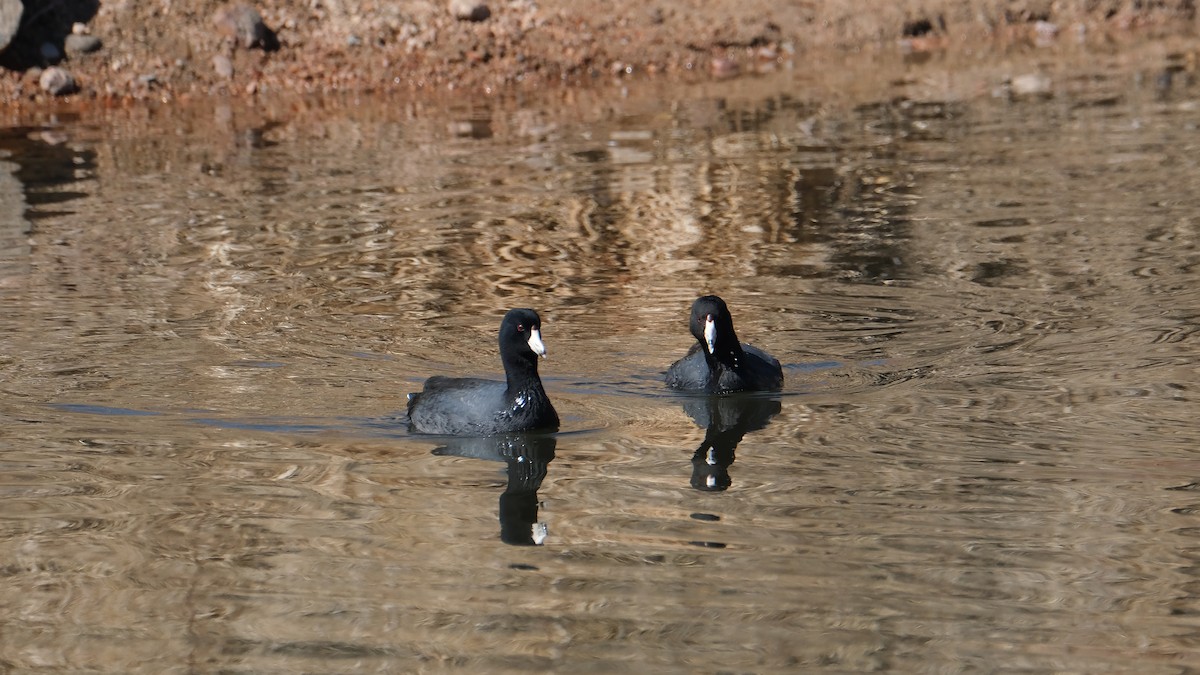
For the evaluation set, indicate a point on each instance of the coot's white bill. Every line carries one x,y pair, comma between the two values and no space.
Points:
535,342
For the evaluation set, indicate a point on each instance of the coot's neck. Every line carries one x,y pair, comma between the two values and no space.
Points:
520,372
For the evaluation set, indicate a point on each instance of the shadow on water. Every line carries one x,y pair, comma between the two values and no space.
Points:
526,457
35,168
45,163
726,420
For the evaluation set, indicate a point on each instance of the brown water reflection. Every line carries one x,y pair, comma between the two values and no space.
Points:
983,459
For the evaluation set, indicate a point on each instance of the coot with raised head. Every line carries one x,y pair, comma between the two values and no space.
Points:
460,406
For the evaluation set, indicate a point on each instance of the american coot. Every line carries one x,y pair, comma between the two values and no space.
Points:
477,407
718,363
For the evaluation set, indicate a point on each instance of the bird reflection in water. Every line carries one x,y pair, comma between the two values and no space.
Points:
527,456
726,420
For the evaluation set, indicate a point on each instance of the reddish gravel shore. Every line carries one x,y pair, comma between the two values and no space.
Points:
129,50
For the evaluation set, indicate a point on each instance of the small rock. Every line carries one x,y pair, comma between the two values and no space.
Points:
78,28
50,53
77,43
10,20
57,82
244,25
223,66
469,10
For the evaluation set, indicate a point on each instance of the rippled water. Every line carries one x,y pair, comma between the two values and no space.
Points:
984,458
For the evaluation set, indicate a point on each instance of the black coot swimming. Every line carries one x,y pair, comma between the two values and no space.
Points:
718,363
460,406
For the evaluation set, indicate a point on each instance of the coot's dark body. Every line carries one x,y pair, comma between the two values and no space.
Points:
460,406
719,363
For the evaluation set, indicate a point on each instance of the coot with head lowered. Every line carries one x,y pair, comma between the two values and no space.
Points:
718,363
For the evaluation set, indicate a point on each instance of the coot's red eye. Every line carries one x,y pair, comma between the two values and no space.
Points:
520,328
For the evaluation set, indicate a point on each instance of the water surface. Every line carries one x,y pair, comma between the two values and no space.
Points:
983,459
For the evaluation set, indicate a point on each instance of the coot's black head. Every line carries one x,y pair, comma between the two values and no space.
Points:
521,334
713,326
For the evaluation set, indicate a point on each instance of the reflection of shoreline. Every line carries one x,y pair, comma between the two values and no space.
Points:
527,457
726,419
14,228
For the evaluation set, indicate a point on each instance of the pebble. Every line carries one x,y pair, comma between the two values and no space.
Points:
57,82
243,23
223,66
77,43
469,10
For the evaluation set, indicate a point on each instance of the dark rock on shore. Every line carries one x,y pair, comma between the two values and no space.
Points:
41,30
244,25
